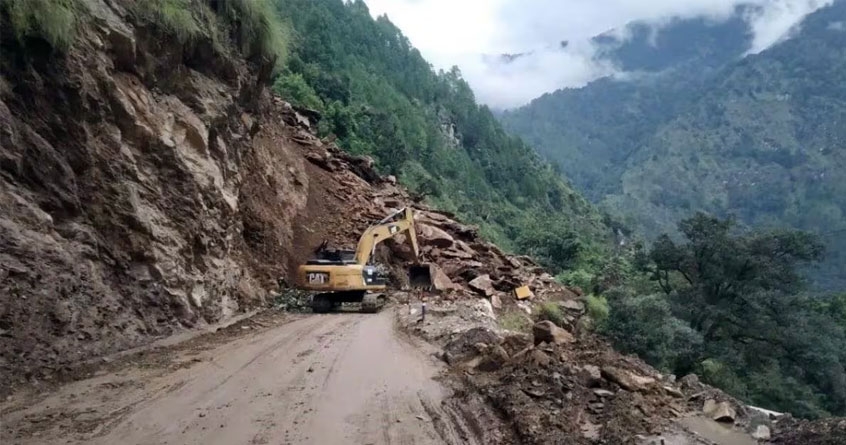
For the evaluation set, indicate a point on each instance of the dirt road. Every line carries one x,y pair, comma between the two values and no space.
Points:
340,378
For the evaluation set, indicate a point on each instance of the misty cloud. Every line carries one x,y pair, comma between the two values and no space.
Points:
473,34
778,21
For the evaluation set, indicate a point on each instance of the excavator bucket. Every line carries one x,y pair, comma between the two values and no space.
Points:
420,276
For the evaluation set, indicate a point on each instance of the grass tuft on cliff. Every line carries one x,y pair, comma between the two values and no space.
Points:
173,16
255,27
51,20
252,25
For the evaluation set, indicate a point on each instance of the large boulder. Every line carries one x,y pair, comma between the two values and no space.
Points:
493,360
627,380
440,280
496,301
400,248
466,345
573,305
547,331
483,285
719,411
762,432
591,375
434,236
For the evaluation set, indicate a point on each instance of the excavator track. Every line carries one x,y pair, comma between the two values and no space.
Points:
322,303
329,301
373,303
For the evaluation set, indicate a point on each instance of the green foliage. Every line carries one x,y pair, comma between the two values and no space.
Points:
577,278
256,28
173,16
757,137
515,321
381,98
722,376
553,243
294,89
252,26
551,311
646,326
597,309
741,293
52,20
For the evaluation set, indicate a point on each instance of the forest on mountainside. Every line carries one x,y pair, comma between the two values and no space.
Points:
757,137
379,97
732,306
751,298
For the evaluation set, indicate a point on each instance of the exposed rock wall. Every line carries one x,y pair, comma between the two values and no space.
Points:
140,191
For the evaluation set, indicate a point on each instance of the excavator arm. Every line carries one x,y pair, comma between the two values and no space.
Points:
399,222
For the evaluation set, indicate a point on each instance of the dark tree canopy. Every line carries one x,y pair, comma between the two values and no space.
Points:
753,330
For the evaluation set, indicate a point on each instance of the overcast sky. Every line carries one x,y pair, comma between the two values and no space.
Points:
461,32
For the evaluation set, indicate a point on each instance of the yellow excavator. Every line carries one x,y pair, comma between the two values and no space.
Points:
350,276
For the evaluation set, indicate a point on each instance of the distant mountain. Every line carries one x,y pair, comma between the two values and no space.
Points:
700,42
701,127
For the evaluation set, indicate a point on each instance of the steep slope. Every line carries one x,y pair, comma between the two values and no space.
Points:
148,184
379,97
758,138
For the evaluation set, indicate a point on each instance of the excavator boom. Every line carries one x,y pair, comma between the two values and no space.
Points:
397,223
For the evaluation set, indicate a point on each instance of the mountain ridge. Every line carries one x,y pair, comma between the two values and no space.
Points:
649,149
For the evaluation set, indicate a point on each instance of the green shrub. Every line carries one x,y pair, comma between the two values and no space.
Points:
716,373
294,89
551,311
577,278
52,20
255,27
515,321
597,309
645,325
252,25
173,16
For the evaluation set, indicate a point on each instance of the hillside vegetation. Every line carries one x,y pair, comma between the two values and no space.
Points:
760,138
757,143
379,97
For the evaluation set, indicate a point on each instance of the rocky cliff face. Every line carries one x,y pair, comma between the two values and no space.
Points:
144,186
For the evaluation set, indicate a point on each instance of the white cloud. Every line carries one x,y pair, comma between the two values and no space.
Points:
506,85
461,32
779,20
837,26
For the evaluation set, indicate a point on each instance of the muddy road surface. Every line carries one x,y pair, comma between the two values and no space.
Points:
338,378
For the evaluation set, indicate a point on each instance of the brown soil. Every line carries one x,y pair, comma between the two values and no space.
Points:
342,378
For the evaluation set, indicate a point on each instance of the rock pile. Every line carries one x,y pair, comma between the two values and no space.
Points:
461,264
560,386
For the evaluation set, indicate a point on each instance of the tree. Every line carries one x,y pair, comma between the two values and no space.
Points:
293,88
552,243
742,295
726,275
